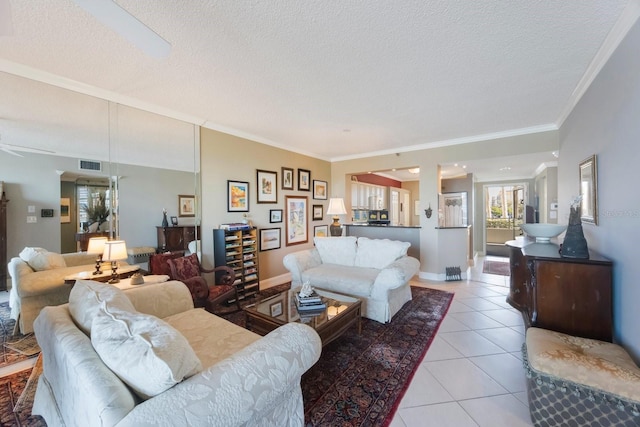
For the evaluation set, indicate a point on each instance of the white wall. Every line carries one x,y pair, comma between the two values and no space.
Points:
606,122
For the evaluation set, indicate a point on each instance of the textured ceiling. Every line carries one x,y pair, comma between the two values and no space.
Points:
333,79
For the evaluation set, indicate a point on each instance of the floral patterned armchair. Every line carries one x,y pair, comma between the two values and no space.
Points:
187,269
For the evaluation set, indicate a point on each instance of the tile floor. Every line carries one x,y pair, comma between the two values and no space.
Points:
472,374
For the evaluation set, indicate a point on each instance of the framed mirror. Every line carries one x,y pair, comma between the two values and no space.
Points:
589,190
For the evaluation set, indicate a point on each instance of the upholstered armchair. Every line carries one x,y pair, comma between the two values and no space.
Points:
187,269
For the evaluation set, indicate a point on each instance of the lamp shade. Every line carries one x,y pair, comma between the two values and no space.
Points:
96,245
336,207
115,250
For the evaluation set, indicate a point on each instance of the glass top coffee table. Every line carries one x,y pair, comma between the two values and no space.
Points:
341,313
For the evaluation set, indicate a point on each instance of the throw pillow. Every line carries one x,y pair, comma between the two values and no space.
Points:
158,263
336,250
185,267
86,298
46,261
27,253
379,253
148,354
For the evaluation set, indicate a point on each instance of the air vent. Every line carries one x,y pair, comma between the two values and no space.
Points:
89,165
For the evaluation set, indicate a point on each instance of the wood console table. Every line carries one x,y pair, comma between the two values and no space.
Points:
568,295
176,238
83,239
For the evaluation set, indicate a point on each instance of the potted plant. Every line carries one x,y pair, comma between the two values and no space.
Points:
97,211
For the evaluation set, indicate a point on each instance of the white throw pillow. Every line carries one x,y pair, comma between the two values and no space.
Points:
379,253
336,250
86,298
40,259
28,253
148,354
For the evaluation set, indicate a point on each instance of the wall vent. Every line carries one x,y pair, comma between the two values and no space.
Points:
89,165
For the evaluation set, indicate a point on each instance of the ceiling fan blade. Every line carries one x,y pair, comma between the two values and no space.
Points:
6,150
6,21
127,25
12,148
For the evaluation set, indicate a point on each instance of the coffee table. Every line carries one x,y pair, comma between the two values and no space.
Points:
341,313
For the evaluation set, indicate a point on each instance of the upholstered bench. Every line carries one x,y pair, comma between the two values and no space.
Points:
575,381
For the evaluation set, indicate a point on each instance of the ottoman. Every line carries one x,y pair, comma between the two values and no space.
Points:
574,381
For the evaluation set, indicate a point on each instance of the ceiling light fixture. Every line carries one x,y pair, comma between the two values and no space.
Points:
414,170
505,168
128,26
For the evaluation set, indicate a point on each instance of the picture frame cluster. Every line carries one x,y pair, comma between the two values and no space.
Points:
295,213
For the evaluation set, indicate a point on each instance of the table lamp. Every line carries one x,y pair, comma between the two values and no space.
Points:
114,251
96,246
336,207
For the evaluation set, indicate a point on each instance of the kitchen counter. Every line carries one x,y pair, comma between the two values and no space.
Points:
403,233
356,224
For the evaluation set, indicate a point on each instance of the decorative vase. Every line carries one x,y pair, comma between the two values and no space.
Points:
574,244
165,223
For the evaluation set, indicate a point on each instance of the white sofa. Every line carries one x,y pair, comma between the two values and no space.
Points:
37,280
237,377
376,270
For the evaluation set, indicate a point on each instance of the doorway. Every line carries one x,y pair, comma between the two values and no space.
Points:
399,206
504,212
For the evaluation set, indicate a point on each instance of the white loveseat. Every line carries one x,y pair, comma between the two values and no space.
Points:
190,368
376,270
37,280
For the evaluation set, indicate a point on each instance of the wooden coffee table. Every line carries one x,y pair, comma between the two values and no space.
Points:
341,313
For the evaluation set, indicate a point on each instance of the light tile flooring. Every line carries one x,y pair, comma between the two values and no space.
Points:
472,374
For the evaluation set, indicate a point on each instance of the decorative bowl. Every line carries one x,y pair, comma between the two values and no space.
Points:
543,232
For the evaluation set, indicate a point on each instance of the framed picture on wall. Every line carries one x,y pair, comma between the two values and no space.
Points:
237,196
269,239
287,178
275,215
317,212
186,205
296,220
321,231
267,186
65,209
319,189
304,180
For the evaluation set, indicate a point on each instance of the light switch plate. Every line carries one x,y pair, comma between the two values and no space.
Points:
31,219
31,209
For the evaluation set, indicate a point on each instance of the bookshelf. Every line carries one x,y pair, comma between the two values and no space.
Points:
238,249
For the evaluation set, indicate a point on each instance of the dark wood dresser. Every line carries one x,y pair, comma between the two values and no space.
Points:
176,238
568,295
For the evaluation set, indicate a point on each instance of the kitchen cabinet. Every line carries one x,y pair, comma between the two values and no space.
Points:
368,196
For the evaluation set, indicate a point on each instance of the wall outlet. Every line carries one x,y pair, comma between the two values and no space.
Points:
554,206
32,219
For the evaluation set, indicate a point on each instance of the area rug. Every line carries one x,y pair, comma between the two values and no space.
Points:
500,268
11,387
360,379
14,348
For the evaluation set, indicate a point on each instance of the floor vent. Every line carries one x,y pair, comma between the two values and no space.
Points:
453,273
89,165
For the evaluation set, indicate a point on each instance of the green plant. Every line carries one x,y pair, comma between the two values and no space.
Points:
97,211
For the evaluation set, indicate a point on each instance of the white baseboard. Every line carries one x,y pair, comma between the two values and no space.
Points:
275,281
